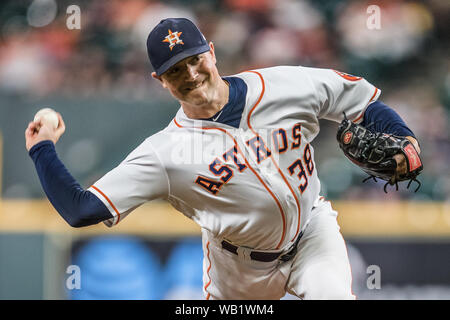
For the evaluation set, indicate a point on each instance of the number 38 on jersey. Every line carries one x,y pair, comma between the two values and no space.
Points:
281,141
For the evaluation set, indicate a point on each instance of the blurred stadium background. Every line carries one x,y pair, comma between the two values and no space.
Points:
98,77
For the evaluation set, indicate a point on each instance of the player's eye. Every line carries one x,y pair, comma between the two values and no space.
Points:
196,59
174,71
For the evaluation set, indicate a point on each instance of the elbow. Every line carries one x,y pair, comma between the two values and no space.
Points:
79,219
75,222
84,215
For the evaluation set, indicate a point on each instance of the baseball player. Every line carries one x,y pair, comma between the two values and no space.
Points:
237,159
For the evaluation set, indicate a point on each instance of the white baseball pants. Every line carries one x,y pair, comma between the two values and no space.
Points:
319,270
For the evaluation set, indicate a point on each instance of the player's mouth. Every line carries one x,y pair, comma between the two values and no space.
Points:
193,87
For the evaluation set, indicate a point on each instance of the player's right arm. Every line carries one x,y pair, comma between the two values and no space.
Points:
141,177
77,206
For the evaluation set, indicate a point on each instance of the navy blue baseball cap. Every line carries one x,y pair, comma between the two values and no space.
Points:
173,40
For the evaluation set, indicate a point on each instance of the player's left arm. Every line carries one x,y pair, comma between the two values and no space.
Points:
378,117
339,93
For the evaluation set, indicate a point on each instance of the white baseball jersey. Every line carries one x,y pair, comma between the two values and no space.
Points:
254,186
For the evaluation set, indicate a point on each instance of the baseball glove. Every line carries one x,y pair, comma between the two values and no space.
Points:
374,153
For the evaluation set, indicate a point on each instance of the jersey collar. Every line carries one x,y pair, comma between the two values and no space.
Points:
182,120
232,110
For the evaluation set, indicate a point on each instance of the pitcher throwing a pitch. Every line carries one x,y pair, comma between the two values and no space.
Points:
237,159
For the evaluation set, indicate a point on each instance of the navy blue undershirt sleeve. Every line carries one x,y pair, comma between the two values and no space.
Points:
77,206
379,117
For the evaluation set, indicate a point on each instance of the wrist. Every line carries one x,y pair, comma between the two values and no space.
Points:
414,142
39,145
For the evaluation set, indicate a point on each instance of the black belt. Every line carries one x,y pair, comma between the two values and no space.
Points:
266,256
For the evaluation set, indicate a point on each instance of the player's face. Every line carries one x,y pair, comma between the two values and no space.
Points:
193,80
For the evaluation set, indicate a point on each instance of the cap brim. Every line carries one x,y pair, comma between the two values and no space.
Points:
180,56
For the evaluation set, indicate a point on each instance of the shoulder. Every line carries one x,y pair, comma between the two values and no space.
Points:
153,144
276,80
162,137
274,75
269,72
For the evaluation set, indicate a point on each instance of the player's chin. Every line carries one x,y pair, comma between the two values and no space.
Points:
196,96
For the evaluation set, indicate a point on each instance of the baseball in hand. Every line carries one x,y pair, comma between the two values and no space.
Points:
48,116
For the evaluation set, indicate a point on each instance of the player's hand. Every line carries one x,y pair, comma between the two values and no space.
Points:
400,158
37,132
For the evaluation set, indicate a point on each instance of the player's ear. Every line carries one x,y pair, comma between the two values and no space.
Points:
212,52
155,76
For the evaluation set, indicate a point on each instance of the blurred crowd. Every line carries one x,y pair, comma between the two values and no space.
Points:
404,51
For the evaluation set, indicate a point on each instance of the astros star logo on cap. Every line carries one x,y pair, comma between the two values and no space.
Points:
173,38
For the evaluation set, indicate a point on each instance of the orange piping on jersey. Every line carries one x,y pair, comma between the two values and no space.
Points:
374,94
178,125
259,99
362,113
207,272
270,192
254,172
273,161
109,201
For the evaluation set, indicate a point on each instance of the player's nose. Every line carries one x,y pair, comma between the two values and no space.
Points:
191,73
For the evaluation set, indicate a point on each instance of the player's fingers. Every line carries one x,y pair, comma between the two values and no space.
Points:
28,132
33,127
401,164
61,124
37,124
31,130
60,128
